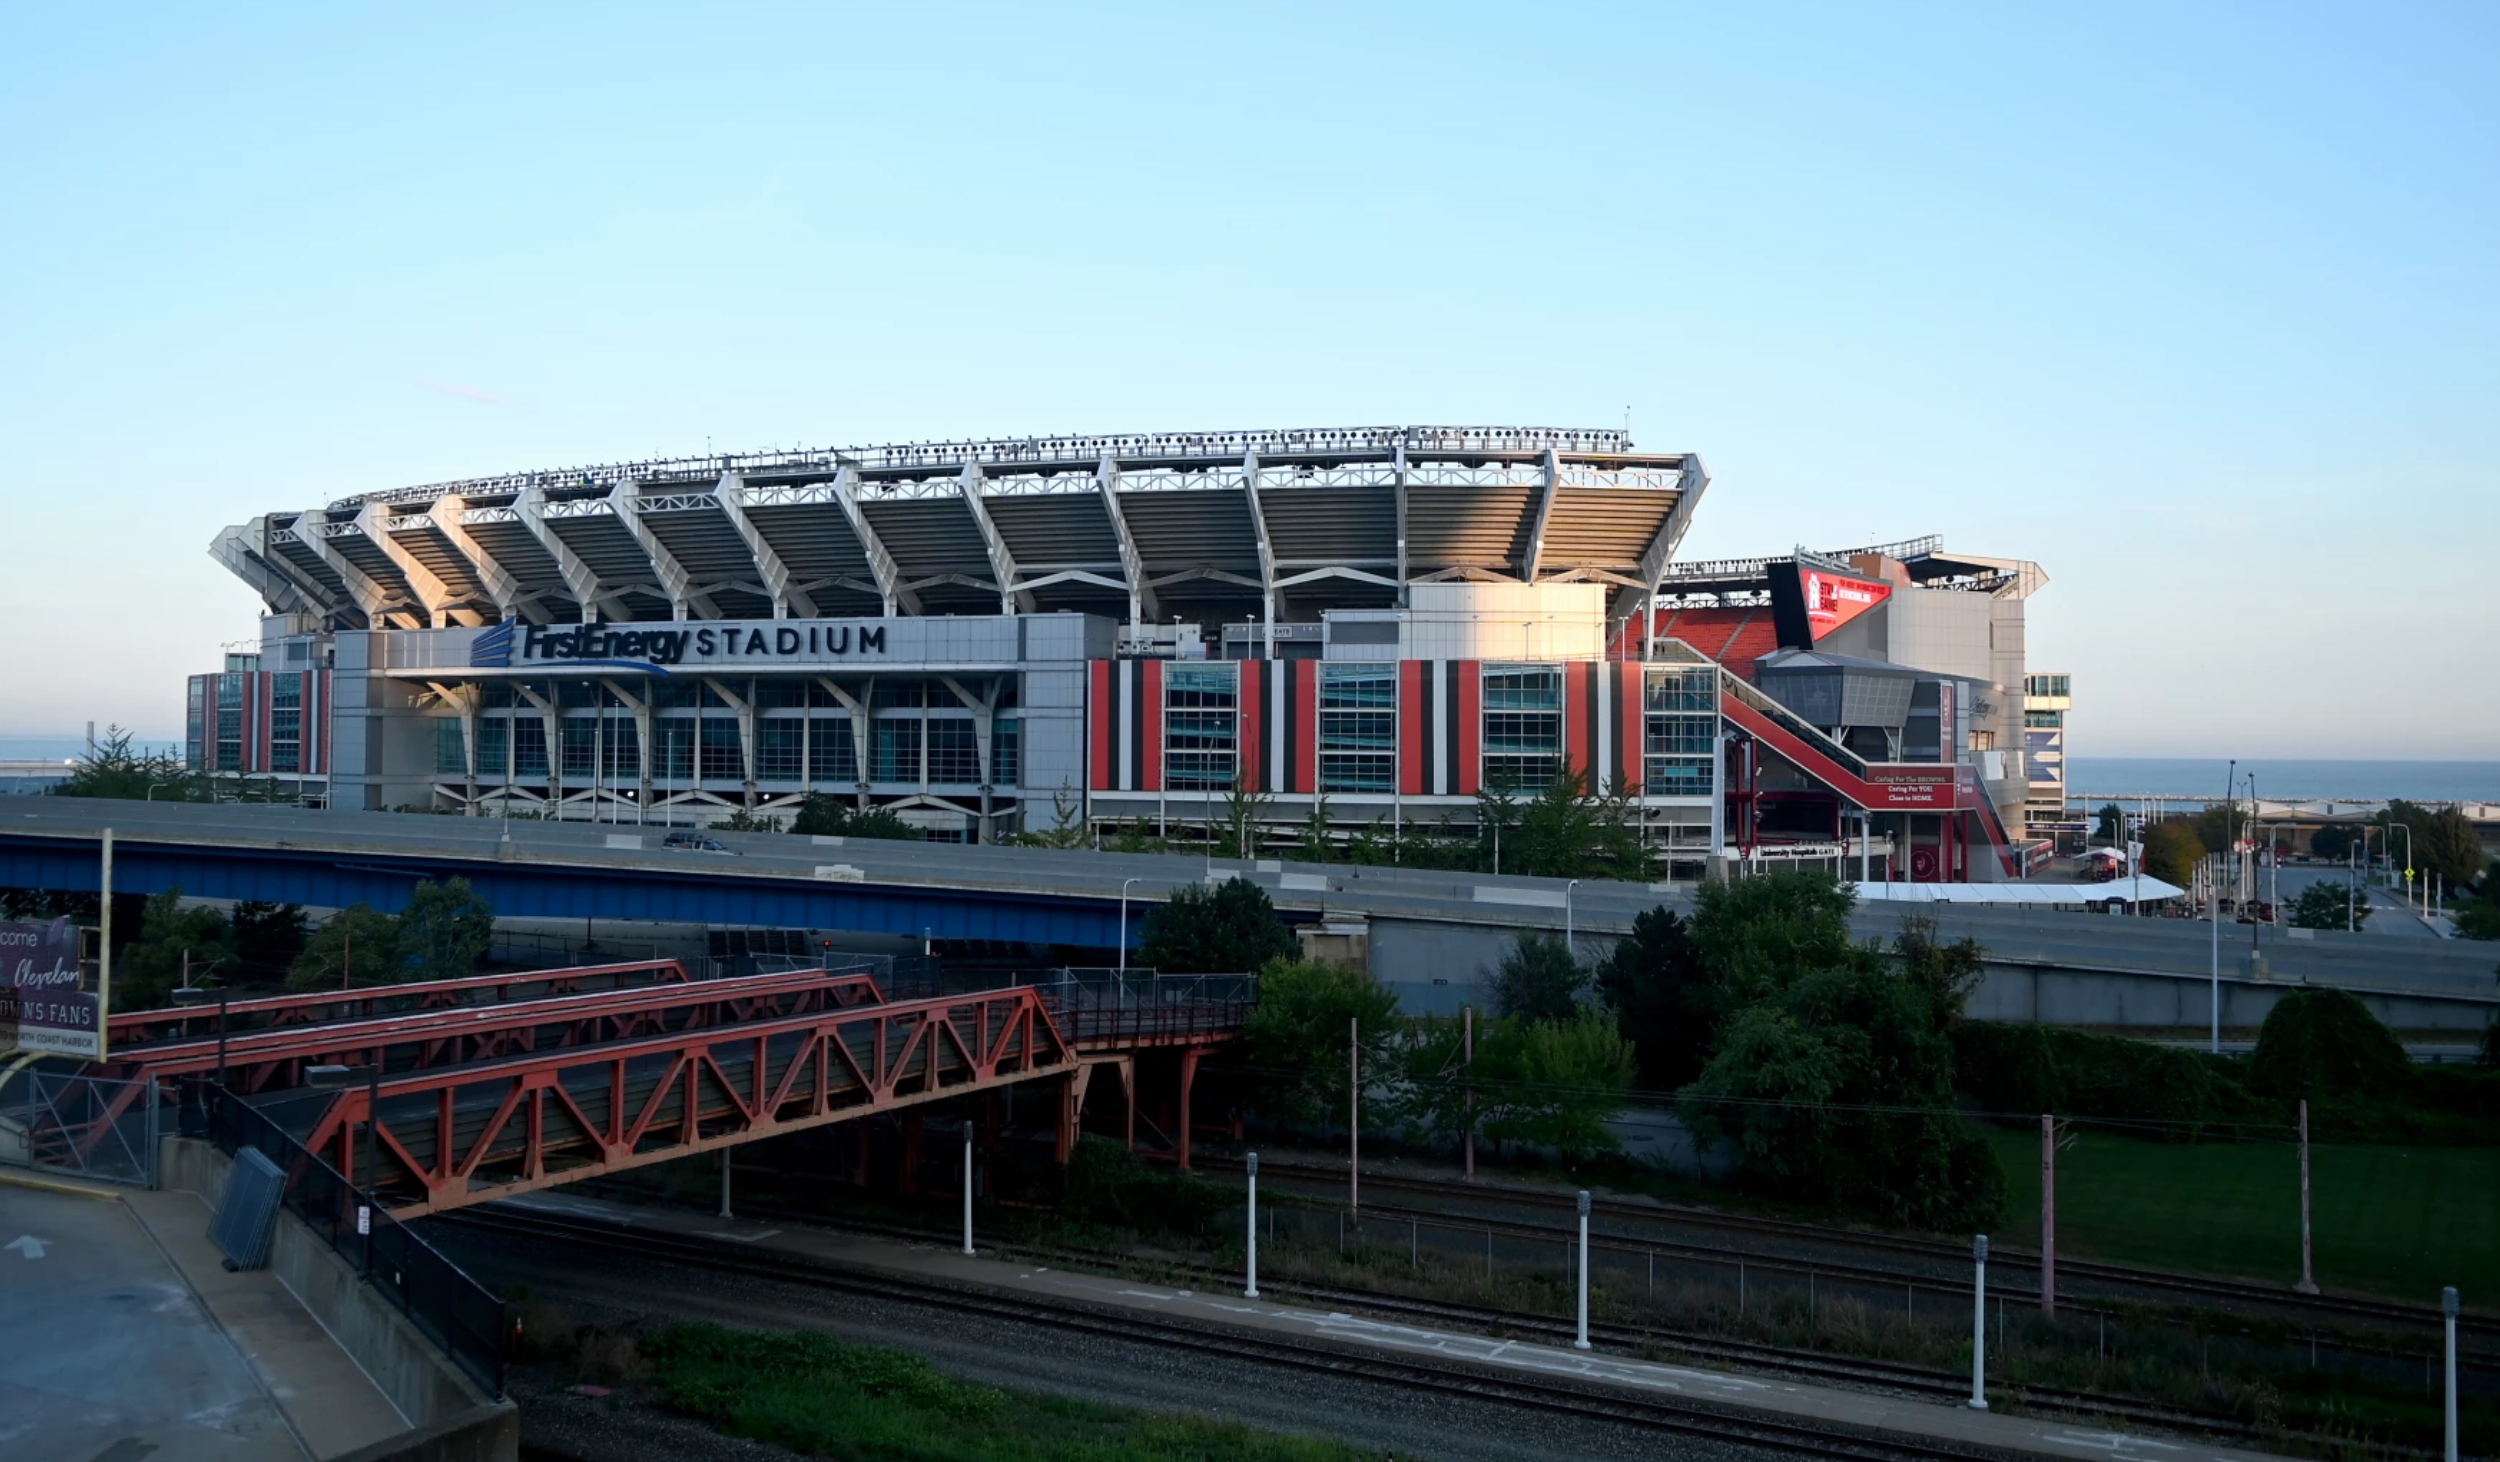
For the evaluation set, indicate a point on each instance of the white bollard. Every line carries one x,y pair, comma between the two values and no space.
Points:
1979,1324
2448,1309
1582,1343
1250,1291
967,1187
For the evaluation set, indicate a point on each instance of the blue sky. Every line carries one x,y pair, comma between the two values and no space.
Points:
2195,305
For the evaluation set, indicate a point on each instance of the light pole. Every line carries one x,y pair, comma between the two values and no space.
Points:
1570,942
2213,900
2393,828
1124,883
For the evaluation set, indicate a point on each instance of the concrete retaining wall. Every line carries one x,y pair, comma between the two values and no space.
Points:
454,1421
1436,966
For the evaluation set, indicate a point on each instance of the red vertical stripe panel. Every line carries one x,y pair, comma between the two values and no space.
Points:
1413,764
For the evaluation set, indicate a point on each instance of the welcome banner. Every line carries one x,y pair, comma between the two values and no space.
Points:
43,1005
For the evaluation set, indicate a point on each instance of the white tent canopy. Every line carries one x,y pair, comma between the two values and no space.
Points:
2035,895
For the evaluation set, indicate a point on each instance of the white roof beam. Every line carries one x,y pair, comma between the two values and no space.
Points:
439,601
450,514
1141,595
1397,485
786,596
240,550
590,597
1267,550
675,583
1013,598
1544,515
890,586
1691,482
368,595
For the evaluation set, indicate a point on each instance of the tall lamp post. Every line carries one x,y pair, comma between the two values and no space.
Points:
1124,883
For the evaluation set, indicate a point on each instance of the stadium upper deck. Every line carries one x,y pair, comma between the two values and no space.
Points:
1275,524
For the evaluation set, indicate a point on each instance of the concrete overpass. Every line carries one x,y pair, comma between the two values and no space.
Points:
1429,932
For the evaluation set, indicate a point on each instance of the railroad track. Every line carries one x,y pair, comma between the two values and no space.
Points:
1948,1388
2005,1277
1676,1416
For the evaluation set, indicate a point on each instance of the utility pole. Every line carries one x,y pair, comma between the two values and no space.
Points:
2213,899
2048,1214
2308,1277
1467,1137
1354,1113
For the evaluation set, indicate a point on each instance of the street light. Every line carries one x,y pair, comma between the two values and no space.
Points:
1124,883
2394,827
191,994
1569,942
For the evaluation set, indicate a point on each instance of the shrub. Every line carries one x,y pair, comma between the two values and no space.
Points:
1230,929
1539,979
1294,1039
2040,1068
1110,1185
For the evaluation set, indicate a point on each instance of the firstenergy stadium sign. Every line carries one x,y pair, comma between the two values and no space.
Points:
638,647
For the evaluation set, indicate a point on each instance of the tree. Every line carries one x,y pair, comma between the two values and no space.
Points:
749,820
2113,824
1547,1083
443,933
2478,914
112,769
2442,842
826,816
2328,906
2332,841
267,938
1294,1039
2171,850
2323,1044
1839,1090
359,944
1229,929
1564,831
1539,979
1757,935
1067,829
151,967
1655,984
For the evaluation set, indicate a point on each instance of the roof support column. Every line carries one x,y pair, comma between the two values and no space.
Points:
1011,600
374,522
244,550
1267,554
881,563
1692,480
1544,514
310,527
589,600
674,580
770,571
450,514
1141,595
859,733
1397,485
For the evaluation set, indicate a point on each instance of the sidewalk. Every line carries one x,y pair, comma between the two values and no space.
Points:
1859,1409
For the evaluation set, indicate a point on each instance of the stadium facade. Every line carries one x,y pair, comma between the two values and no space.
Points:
1374,623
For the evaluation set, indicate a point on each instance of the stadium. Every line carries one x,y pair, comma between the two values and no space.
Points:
1363,626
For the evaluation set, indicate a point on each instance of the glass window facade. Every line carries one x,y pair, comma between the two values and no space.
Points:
895,755
1679,731
622,750
1201,727
954,751
830,755
451,751
529,746
673,759
723,760
1006,742
781,750
1358,728
581,748
1522,727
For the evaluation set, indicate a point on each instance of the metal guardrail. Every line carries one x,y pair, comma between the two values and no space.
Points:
79,1126
457,1313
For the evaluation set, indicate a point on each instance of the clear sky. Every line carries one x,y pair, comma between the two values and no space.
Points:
2197,305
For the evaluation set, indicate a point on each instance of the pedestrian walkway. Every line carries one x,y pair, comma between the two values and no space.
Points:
1865,1411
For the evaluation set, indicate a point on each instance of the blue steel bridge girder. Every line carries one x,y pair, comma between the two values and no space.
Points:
557,891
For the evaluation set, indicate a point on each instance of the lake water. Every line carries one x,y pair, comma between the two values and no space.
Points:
2121,777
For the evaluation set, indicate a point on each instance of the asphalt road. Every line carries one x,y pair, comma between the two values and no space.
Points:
1596,907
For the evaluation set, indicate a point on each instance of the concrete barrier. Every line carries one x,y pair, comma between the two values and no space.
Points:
452,1420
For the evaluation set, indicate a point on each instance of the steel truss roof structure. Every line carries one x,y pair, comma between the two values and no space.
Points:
1199,526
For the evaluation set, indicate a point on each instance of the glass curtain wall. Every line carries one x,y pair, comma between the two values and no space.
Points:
1679,730
1201,727
1522,727
1358,727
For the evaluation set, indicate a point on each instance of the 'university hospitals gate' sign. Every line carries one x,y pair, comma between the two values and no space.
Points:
43,1006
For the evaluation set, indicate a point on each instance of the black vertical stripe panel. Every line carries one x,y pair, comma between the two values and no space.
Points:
1450,703
1134,774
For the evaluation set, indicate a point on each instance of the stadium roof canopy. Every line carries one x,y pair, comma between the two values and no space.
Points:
1195,526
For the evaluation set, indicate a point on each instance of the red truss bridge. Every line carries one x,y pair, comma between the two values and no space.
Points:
474,1090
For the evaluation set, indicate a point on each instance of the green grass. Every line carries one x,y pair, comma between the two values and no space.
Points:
2395,1221
863,1403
